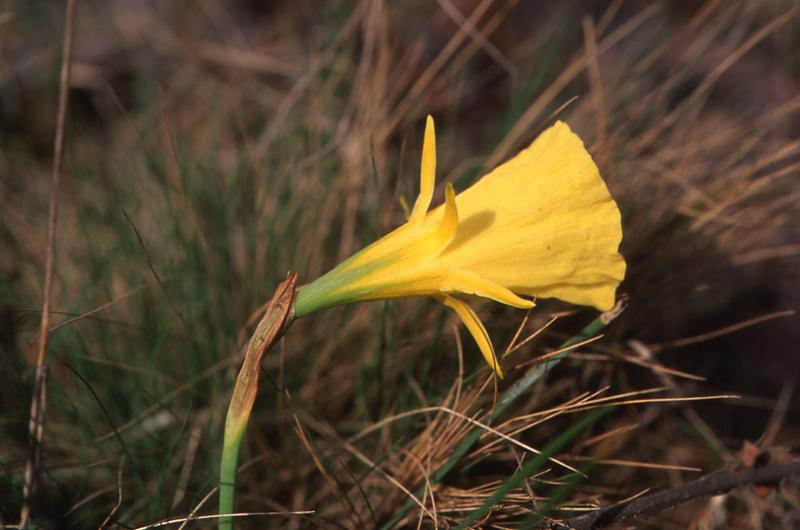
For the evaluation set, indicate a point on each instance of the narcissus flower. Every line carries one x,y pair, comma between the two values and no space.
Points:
541,225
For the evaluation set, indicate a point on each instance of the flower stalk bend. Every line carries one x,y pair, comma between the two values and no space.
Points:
276,320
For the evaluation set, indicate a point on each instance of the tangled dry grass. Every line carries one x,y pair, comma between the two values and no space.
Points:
212,147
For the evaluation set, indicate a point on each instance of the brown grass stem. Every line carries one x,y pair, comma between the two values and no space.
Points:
39,399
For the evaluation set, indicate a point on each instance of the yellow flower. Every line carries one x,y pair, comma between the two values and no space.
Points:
542,224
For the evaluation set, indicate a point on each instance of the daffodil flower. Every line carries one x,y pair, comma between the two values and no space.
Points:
541,225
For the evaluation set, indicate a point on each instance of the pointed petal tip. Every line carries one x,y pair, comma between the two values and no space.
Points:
450,196
449,224
528,304
475,328
430,135
427,177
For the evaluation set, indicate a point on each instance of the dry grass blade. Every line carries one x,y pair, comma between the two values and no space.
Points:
633,463
170,396
372,465
604,436
193,514
460,416
610,403
333,484
558,352
99,308
491,50
175,309
686,341
702,90
514,345
110,517
577,66
39,400
181,520
195,436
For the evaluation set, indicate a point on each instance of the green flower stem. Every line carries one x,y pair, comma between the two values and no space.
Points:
227,473
276,320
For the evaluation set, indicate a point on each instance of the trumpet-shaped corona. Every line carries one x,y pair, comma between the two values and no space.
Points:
541,225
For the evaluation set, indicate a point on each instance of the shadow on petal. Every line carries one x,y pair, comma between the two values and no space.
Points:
470,228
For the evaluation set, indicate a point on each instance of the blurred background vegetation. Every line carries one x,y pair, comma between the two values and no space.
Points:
212,146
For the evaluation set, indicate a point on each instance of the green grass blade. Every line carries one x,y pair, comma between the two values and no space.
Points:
534,465
558,496
507,398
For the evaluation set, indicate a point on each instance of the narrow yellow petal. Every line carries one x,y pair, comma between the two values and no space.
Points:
427,174
476,329
447,226
467,282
